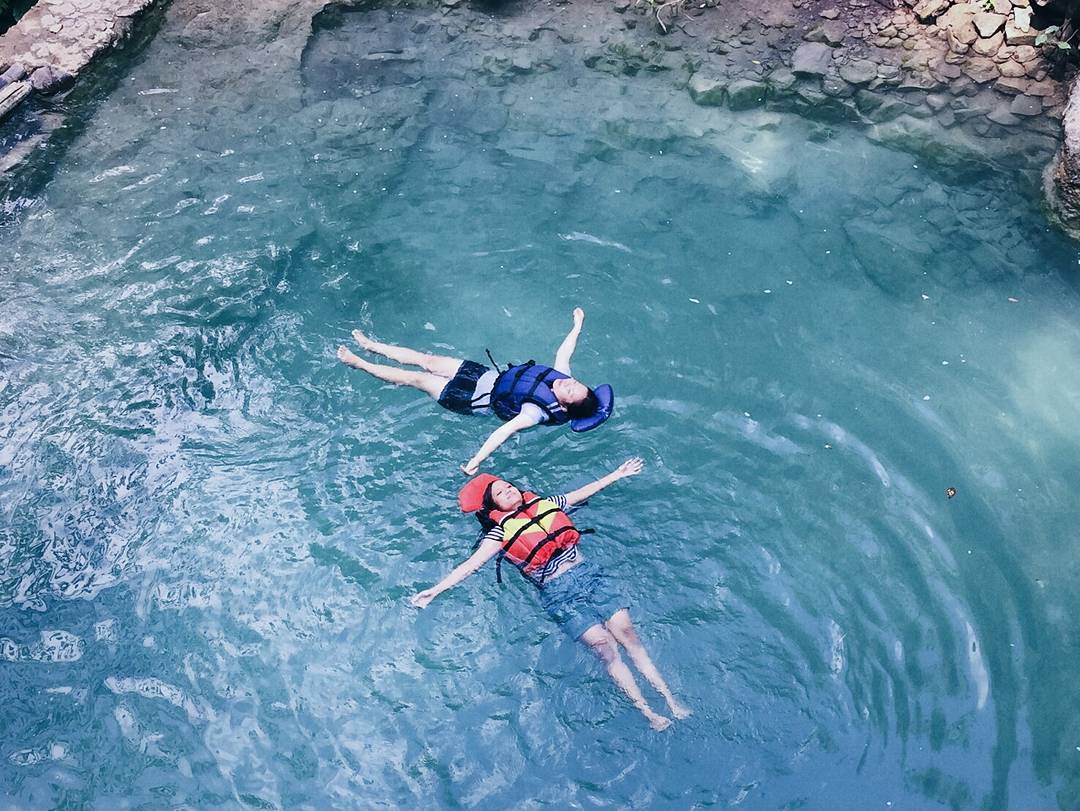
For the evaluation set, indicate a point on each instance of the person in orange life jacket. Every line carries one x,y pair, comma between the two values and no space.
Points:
522,396
538,537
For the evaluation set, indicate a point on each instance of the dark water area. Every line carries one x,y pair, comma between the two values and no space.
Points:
209,528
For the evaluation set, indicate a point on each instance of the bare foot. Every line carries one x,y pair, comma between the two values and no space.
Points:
658,722
364,341
348,358
678,710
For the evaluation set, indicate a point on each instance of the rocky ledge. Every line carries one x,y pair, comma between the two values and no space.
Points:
55,40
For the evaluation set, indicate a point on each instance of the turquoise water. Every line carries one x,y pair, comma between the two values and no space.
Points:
210,528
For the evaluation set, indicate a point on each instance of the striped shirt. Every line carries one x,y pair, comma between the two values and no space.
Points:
556,561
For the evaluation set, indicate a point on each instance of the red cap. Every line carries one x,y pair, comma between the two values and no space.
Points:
471,496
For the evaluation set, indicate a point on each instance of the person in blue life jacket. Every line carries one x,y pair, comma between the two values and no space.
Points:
537,536
523,395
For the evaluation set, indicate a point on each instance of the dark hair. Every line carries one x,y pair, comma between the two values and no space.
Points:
586,408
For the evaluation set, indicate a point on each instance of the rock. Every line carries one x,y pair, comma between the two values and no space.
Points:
706,92
1025,53
1011,87
987,23
878,107
1041,89
521,63
1014,36
831,33
965,34
980,69
811,59
928,9
621,6
944,71
860,72
989,46
936,101
947,118
1026,106
830,13
1002,115
1002,6
781,81
836,87
1022,19
1012,70
48,80
1061,183
744,94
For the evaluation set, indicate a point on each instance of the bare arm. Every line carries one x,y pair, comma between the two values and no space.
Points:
487,550
631,467
569,344
498,437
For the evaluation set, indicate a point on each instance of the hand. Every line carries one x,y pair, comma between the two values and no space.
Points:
631,467
422,598
470,468
579,316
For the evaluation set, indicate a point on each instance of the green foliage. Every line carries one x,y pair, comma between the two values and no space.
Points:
1053,35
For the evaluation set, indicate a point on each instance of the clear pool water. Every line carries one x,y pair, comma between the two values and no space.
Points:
209,528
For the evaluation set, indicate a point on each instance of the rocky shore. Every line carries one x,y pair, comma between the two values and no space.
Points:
960,84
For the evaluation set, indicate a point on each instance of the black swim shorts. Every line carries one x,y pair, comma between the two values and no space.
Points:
459,393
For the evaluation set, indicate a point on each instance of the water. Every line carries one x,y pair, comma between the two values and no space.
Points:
211,528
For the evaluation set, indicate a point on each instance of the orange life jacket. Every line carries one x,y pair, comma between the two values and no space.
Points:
534,532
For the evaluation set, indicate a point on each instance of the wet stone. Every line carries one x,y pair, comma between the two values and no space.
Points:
1011,87
744,94
1003,116
811,59
706,92
1026,106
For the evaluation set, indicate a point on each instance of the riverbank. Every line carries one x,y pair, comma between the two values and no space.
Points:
954,84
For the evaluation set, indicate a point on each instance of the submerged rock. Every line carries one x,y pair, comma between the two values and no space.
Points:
744,94
705,91
49,80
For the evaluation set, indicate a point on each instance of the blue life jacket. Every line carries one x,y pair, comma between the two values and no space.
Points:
527,383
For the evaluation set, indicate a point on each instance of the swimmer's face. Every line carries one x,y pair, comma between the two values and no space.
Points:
505,495
569,391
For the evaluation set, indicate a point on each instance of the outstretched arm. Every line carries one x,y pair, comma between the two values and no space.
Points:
487,550
631,467
498,437
569,344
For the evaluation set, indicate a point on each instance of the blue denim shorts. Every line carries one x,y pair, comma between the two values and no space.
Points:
581,598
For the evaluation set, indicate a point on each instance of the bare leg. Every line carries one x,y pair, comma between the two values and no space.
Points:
622,629
605,646
432,384
436,364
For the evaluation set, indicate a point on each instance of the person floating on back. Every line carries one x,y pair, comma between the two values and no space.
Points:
522,396
539,538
